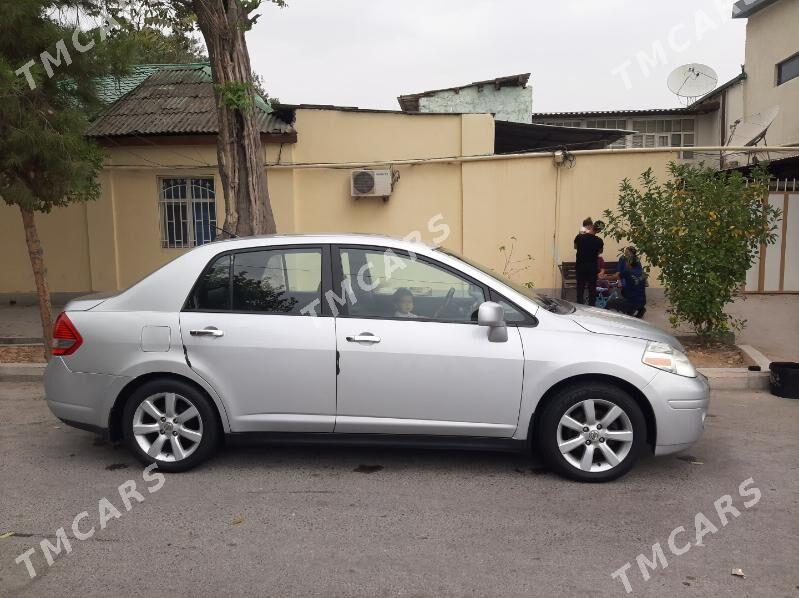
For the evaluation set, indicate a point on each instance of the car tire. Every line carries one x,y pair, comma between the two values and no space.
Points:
154,432
591,447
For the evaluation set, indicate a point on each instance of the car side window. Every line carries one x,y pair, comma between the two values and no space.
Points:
512,315
277,281
212,291
386,284
282,281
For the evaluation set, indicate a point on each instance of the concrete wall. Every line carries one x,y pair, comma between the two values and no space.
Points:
771,37
711,131
64,235
508,103
111,243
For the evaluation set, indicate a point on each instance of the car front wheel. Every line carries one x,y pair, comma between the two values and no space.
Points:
171,423
592,432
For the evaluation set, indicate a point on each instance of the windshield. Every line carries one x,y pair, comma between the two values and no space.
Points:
548,303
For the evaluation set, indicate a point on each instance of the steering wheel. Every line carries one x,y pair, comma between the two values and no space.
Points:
447,300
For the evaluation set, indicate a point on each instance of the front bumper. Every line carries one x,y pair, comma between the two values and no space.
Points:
680,405
80,400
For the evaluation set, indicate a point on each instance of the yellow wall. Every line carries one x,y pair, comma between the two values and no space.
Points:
111,243
771,37
64,240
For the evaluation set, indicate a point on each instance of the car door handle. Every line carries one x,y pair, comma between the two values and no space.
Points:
364,337
210,331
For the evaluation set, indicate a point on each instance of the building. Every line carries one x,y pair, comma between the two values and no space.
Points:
769,79
160,185
510,101
659,127
473,160
772,64
507,98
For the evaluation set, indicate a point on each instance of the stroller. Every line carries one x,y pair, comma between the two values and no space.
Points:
605,294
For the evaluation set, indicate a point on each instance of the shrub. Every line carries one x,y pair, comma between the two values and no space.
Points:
702,229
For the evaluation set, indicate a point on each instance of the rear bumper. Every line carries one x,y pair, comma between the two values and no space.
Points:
680,405
80,400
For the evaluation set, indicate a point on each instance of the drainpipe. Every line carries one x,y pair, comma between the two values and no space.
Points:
560,158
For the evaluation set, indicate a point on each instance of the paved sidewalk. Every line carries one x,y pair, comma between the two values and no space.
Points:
772,323
22,320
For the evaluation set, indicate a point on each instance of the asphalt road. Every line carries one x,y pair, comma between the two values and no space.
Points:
294,521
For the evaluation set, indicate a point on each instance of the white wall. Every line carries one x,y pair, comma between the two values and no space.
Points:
507,103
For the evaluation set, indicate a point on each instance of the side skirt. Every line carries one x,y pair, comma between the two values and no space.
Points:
382,440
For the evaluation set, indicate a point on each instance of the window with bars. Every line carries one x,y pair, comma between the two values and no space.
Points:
188,211
677,132
565,123
611,124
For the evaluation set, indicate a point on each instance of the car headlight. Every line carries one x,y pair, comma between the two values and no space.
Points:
667,358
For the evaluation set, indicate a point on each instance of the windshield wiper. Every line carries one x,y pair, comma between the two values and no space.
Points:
557,305
550,303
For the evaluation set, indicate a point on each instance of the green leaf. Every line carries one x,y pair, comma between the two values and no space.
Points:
703,229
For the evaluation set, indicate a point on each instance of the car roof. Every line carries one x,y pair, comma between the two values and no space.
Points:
306,238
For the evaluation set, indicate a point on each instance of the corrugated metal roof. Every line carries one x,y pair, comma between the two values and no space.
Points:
111,87
743,9
737,79
588,113
174,100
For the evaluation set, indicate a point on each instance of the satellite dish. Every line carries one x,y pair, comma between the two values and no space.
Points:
692,80
753,128
749,132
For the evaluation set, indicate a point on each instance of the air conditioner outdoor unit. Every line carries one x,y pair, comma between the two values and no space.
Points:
371,183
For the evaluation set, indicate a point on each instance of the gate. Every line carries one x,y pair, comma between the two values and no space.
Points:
777,267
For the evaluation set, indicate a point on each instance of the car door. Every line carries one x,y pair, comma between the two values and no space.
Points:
427,370
253,329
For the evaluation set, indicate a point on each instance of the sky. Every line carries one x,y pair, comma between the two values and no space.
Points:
582,54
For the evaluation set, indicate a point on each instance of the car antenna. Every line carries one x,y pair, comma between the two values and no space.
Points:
228,233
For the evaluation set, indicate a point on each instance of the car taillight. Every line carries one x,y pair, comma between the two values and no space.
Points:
66,338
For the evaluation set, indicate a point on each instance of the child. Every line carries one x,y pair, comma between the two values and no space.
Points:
403,304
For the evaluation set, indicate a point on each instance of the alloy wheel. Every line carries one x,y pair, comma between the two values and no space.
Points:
167,426
595,435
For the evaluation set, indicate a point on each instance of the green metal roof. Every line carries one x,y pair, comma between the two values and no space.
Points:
172,100
111,88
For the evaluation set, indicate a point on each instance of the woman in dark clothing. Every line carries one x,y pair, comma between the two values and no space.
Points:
633,285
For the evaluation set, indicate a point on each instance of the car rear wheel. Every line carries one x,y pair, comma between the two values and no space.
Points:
171,423
592,432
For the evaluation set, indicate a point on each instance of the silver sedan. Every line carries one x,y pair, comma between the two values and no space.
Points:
356,338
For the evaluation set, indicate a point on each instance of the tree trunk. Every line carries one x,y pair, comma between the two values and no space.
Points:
40,276
248,210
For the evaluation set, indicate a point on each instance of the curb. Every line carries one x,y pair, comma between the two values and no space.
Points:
740,378
756,356
735,379
21,340
21,372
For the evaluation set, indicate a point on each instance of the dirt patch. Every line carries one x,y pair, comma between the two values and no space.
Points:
713,354
21,353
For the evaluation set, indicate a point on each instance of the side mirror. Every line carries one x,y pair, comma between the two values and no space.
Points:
492,315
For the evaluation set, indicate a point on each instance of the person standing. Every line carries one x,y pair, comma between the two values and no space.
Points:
589,247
